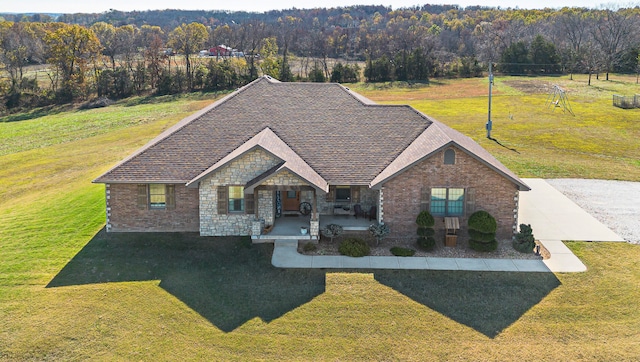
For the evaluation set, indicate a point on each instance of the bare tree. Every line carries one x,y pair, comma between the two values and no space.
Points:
612,32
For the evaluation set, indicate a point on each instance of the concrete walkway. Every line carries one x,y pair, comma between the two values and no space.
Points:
285,255
552,216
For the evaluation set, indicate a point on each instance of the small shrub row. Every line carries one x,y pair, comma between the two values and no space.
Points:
355,247
398,251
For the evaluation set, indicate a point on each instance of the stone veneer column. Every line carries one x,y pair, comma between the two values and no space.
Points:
314,229
256,228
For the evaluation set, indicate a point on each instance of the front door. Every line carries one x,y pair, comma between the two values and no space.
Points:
291,200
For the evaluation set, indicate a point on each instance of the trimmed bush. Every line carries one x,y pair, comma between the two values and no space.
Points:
355,247
482,231
427,243
524,241
481,237
425,220
426,232
398,251
482,246
309,247
483,222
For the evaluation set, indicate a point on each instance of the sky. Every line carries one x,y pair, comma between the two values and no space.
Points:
97,6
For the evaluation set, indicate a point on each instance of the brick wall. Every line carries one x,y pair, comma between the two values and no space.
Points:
124,215
401,201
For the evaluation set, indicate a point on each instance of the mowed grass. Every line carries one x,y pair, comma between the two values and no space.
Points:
69,291
600,141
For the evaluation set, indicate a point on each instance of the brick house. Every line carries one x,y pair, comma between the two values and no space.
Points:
270,147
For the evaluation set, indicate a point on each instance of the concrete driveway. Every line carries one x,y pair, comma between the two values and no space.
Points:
555,218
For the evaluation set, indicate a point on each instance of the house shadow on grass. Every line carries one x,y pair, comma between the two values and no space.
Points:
226,280
488,302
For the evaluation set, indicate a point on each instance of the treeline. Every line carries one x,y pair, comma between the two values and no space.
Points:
117,54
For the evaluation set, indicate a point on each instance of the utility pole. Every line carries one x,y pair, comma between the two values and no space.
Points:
489,124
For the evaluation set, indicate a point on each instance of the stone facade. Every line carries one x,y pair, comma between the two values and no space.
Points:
266,206
284,178
123,214
403,197
238,172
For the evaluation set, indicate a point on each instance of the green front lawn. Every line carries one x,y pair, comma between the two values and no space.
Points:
69,291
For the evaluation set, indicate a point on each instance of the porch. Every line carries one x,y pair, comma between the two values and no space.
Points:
288,226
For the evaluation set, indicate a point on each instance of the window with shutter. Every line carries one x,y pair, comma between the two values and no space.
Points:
249,203
425,199
170,197
142,197
222,200
471,201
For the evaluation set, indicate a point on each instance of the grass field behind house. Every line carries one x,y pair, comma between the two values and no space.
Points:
69,291
600,141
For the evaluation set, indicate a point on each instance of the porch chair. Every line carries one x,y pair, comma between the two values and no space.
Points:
357,211
372,213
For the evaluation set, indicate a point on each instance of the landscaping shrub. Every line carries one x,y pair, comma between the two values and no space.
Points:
398,251
483,222
379,231
425,220
482,237
524,241
309,247
482,231
331,231
426,232
482,246
427,243
355,247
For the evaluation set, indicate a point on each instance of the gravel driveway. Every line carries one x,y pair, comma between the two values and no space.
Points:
614,203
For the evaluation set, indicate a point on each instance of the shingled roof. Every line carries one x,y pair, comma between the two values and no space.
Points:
341,138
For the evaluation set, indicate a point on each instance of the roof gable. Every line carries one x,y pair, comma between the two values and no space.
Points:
271,143
435,138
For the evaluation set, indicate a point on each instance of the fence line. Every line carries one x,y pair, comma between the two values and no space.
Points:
626,102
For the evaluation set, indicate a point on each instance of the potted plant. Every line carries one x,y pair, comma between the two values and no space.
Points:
304,230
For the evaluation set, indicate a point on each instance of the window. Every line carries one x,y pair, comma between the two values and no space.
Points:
157,196
447,201
449,157
343,193
236,199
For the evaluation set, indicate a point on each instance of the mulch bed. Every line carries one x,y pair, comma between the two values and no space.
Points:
461,250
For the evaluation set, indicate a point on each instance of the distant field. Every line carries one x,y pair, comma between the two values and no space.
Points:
68,291
600,141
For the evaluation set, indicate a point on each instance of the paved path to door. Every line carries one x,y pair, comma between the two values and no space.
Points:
552,216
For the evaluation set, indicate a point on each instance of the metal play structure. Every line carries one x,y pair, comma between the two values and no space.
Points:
558,98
